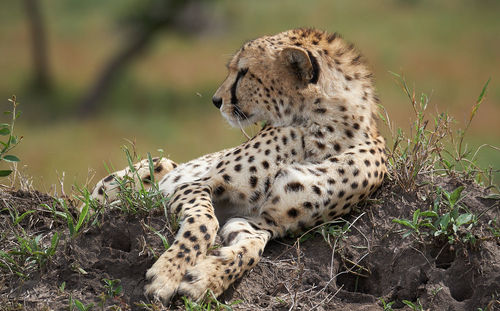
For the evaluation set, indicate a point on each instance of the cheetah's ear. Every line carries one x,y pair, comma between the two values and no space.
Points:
299,61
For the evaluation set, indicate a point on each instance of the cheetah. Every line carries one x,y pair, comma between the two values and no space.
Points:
318,153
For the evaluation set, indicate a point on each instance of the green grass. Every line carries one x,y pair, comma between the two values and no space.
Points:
7,129
209,303
447,219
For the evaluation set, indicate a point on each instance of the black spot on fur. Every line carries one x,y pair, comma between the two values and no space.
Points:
219,190
307,205
293,212
255,196
253,181
294,186
316,189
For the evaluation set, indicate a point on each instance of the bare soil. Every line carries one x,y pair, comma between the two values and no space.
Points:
371,261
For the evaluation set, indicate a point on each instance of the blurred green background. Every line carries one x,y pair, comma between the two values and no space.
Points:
160,93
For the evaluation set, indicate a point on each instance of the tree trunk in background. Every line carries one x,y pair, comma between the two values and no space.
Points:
89,103
188,16
41,79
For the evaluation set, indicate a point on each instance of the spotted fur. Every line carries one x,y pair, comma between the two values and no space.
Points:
317,156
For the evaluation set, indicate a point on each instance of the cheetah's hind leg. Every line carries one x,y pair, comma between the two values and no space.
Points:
108,188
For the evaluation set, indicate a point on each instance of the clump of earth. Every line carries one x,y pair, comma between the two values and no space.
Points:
370,263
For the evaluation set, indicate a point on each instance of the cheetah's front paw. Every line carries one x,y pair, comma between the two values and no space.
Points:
164,280
206,275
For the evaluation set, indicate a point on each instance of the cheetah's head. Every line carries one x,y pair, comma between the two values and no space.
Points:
297,78
266,82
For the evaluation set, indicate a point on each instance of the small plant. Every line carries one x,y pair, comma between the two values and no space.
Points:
419,221
425,150
62,287
93,206
447,219
113,287
494,228
418,152
449,224
28,255
16,218
12,141
154,306
414,306
209,303
74,224
386,305
80,306
335,228
164,240
436,290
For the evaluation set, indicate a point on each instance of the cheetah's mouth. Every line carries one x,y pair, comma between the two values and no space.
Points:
237,117
240,114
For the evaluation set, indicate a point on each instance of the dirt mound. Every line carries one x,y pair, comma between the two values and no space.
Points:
353,266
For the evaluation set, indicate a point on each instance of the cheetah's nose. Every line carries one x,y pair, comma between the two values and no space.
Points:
217,101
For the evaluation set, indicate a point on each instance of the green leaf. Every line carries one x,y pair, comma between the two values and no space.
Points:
463,219
71,226
82,217
11,158
407,233
4,173
454,214
416,215
485,87
20,218
410,304
4,131
53,244
404,222
429,214
151,169
79,305
448,164
166,245
445,220
455,195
